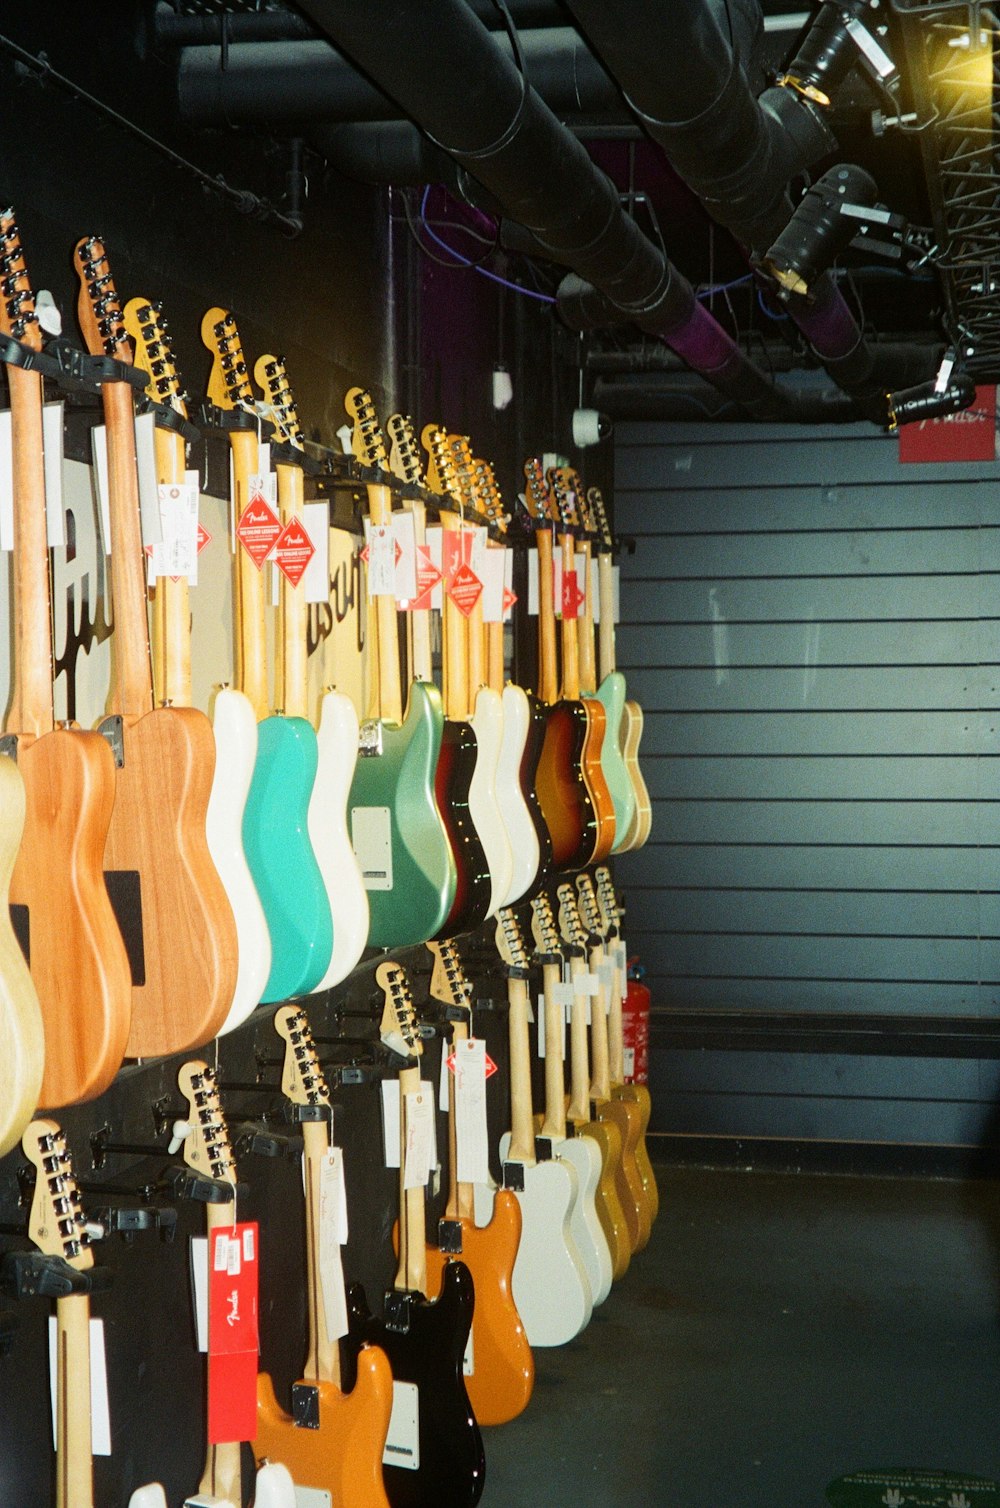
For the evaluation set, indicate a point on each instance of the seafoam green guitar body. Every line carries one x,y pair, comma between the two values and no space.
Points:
397,831
611,695
281,858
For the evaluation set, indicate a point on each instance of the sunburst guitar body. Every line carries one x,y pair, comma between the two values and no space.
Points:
563,793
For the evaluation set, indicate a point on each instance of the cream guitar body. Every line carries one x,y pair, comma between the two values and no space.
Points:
521,831
337,741
235,729
273,1488
487,725
584,1155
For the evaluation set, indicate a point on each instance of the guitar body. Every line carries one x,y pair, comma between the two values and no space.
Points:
281,858
631,1191
563,794
429,1354
77,959
337,745
520,821
639,1095
611,695
453,778
607,1198
487,816
503,1373
235,730
593,775
182,992
344,1455
584,1154
530,759
410,903
22,1043
642,820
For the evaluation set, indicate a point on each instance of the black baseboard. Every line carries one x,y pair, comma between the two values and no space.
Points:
804,1156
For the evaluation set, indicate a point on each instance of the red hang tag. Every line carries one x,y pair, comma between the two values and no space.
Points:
491,1067
258,528
465,589
509,598
204,538
428,577
294,550
572,597
232,1333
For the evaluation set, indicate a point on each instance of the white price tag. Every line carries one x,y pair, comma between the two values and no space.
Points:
472,1162
316,577
478,548
405,574
381,560
508,577
541,1026
492,577
587,984
199,1288
176,551
533,582
616,609
418,1113
444,1091
628,1060
580,566
434,545
390,1121
52,445
149,491
99,445
595,590
100,1417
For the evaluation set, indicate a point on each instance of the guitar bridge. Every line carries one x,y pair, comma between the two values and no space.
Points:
450,1237
398,1310
111,729
369,739
305,1405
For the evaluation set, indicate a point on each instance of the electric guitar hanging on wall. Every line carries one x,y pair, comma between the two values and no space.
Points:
501,1375
233,724
441,1461
333,1440
66,1026
175,916
396,827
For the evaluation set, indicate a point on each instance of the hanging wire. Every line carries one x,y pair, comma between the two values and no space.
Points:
463,261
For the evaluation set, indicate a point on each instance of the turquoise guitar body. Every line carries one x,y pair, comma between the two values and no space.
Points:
281,858
396,827
611,695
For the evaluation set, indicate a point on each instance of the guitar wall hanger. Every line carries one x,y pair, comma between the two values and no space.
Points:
72,370
179,1182
35,1275
170,419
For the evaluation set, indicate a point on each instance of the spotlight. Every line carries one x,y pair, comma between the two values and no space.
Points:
590,427
829,49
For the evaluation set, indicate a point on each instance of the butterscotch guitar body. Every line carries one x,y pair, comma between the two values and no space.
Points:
642,817
503,1368
184,973
343,1456
638,1094
607,1198
596,781
631,1191
75,949
22,1047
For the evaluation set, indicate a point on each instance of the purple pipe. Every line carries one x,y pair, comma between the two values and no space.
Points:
827,323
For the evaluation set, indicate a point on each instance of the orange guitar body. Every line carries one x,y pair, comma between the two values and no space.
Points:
503,1374
344,1455
631,1191
77,960
183,993
595,779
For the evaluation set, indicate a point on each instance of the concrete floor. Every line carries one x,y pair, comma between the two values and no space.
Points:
780,1330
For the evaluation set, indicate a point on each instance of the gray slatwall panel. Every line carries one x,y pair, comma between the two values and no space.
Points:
813,632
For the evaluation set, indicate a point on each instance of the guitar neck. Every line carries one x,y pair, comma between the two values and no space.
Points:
74,1463
579,1105
495,669
522,1131
222,1476
248,585
31,707
132,688
323,1359
599,1035
606,625
291,688
585,630
411,1273
418,621
171,609
454,645
554,1124
461,1196
616,1035
476,650
548,673
570,644
390,696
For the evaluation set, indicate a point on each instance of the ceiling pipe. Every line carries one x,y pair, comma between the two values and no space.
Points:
446,71
173,28
288,82
737,153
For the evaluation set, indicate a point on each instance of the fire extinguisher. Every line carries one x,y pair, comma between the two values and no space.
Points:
635,1025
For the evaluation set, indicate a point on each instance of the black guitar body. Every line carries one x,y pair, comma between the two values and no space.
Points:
428,1352
527,779
452,781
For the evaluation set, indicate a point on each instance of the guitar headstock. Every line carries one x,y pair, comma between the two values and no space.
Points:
99,307
441,466
543,926
600,525
590,911
570,924
488,498
56,1223
404,456
18,316
607,900
510,941
302,1079
206,1145
537,496
561,484
368,442
270,375
229,380
465,471
398,1029
154,355
449,981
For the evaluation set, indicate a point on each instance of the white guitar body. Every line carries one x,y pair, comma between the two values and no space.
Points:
583,1153
337,741
550,1284
235,729
525,853
150,1496
274,1489
487,724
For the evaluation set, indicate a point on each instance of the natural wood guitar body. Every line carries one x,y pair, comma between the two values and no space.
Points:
78,963
22,1045
503,1374
639,1095
631,1190
642,820
182,992
344,1455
